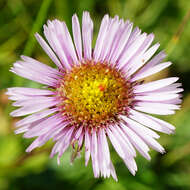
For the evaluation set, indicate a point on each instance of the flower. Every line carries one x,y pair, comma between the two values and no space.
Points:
96,94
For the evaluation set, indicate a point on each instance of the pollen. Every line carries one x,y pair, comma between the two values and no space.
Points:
93,94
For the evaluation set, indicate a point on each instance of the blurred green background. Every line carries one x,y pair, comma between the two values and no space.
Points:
169,20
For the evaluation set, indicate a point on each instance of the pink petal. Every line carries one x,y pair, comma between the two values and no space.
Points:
139,144
87,146
35,117
154,85
77,36
87,32
101,38
48,50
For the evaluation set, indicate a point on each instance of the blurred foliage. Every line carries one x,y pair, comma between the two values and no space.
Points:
169,20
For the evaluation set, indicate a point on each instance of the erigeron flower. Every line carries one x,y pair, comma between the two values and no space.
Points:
96,94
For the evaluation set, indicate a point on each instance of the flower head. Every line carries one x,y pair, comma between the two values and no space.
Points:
96,94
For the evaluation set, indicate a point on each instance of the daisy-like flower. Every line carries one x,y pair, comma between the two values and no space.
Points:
96,94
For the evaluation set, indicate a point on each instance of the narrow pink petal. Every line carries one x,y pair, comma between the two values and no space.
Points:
131,165
120,149
65,141
101,38
44,126
37,142
101,158
22,129
105,146
27,127
153,62
157,111
35,117
158,105
139,55
149,121
48,50
78,132
45,137
137,126
142,59
87,146
33,108
17,93
174,101
124,36
113,173
80,140
63,129
163,123
115,143
124,140
151,71
170,89
110,37
34,100
131,50
139,144
77,36
154,85
156,97
106,166
51,33
87,32
24,70
68,43
65,41
33,63
28,91
149,140
134,35
94,153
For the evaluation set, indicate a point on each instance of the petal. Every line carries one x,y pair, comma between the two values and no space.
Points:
156,97
94,154
154,85
87,146
52,33
48,50
77,36
120,147
142,59
149,122
87,32
36,116
33,108
139,144
131,50
153,62
33,72
17,93
144,134
106,167
140,56
34,100
120,44
110,37
101,38
44,126
151,71
28,91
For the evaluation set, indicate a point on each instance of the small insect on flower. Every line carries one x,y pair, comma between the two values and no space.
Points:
96,94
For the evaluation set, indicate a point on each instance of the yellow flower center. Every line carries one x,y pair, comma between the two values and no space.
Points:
93,94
